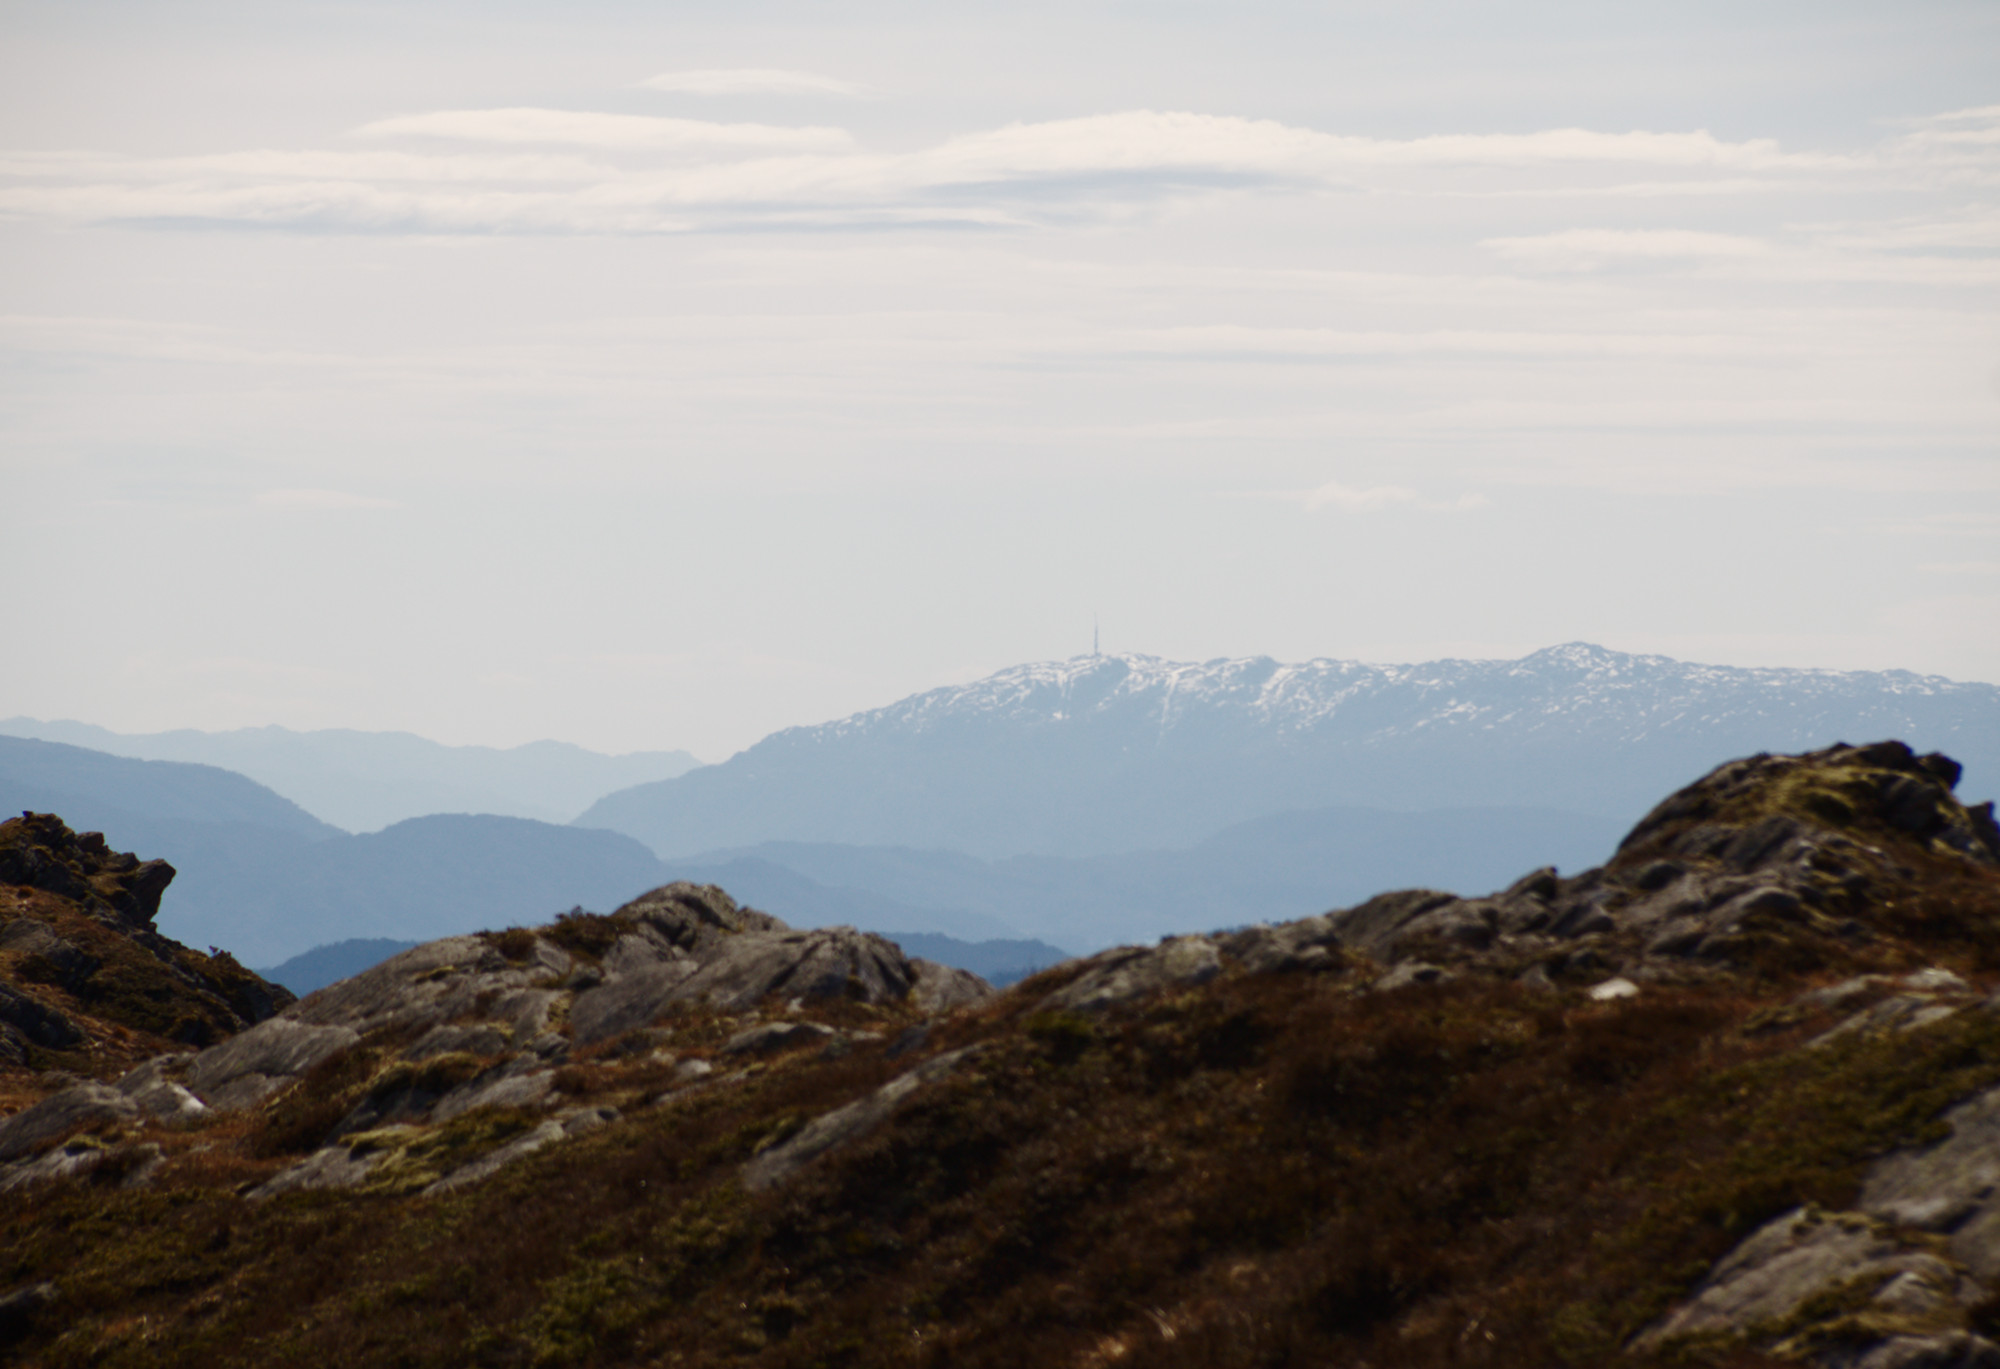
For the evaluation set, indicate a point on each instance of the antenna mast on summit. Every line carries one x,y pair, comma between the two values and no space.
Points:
1093,635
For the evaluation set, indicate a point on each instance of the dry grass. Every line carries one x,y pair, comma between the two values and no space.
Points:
1272,1171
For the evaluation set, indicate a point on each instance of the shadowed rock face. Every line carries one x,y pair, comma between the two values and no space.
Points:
80,958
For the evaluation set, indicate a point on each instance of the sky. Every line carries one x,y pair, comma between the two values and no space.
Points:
654,376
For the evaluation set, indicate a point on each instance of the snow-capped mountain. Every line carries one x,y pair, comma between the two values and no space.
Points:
1104,753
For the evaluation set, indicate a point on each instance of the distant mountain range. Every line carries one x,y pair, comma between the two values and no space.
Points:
1097,755
363,781
1074,805
96,789
263,879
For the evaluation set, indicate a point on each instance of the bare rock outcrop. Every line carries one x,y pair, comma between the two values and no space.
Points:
1892,1282
482,1022
69,1110
844,1125
1762,853
82,965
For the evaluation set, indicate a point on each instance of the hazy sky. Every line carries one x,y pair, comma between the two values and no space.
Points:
663,374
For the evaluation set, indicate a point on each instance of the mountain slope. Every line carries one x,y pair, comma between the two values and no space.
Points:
363,781
85,785
1103,754
1283,866
424,878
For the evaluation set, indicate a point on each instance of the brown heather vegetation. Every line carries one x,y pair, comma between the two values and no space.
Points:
1269,1170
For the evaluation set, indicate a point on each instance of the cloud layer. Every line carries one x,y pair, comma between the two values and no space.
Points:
536,170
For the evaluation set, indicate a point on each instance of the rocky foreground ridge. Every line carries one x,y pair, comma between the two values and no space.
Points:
1733,1098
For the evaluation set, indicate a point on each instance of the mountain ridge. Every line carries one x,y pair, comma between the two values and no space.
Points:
1104,753
363,781
178,791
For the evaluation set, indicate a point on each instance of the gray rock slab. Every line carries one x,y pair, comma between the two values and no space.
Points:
1793,1258
1267,949
158,1096
626,1003
1902,1013
638,949
505,1090
253,1064
80,1105
832,962
1412,972
772,1037
69,1161
1953,1186
944,988
328,1167
477,1039
555,1129
1373,927
845,1124
165,1101
457,976
1120,976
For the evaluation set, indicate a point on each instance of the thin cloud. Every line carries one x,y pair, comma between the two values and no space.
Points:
321,499
752,81
1586,248
621,173
632,132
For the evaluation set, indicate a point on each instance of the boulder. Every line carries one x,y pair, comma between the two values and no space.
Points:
252,1065
1119,976
695,917
942,988
72,1109
1952,1187
158,1096
1762,1285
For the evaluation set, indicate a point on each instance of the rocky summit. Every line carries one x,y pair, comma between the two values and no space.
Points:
1731,1099
85,977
